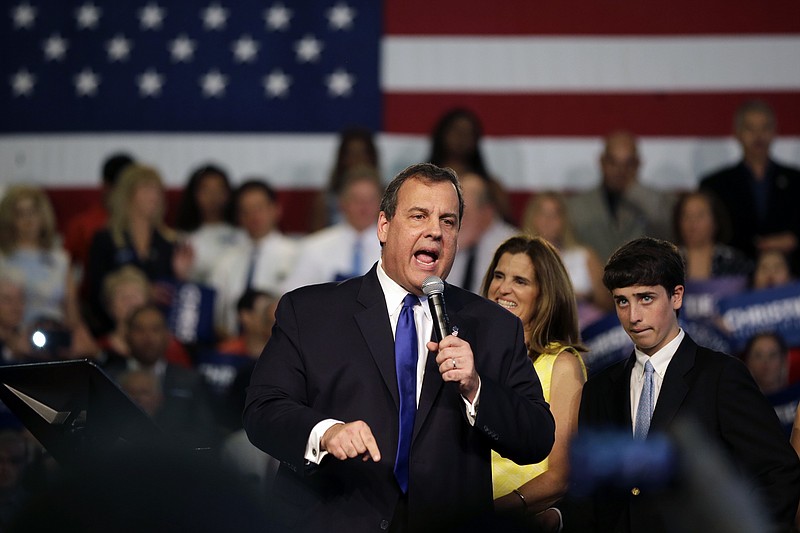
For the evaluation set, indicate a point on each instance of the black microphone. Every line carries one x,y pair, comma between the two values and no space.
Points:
433,287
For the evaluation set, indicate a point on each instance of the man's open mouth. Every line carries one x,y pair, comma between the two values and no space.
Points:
426,257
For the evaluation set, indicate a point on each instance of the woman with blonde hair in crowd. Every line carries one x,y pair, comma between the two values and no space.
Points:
136,235
528,278
546,216
29,250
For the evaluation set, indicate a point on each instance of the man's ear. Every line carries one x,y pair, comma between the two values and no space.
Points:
677,296
383,227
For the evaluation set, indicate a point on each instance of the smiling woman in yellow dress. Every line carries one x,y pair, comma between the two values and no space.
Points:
528,278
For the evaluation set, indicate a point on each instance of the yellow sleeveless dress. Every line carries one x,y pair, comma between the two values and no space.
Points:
506,474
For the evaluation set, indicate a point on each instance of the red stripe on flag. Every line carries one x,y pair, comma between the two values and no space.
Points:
597,17
575,115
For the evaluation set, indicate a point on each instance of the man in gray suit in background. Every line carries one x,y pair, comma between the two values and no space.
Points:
620,208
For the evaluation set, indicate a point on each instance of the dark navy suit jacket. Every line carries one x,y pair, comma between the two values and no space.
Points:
331,355
716,392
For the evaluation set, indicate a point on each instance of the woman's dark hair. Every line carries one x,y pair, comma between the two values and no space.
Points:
346,137
781,342
555,318
722,226
438,149
188,217
113,166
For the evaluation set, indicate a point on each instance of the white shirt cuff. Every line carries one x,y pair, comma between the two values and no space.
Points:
472,408
313,453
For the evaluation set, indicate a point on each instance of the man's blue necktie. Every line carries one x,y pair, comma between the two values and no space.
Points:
647,403
405,356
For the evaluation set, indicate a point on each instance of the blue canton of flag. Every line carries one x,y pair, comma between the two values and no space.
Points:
223,66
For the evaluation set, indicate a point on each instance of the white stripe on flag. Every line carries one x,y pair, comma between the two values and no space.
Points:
304,161
589,64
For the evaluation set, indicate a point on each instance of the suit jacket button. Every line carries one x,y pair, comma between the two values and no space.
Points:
384,524
635,491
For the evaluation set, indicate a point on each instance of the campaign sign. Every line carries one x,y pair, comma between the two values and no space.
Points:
775,310
191,313
219,369
701,296
705,333
607,343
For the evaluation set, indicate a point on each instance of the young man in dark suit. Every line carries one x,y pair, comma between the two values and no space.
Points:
325,398
670,379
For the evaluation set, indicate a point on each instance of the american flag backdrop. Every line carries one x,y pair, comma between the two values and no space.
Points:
183,66
263,87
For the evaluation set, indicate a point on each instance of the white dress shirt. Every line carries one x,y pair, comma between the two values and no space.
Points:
274,257
423,321
210,243
327,254
660,361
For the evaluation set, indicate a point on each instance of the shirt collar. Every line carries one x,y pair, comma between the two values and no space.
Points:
394,293
661,359
159,368
266,239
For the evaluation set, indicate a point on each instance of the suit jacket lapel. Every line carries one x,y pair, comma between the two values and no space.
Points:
620,401
674,387
373,321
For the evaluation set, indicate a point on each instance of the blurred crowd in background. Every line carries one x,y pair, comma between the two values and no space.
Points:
178,313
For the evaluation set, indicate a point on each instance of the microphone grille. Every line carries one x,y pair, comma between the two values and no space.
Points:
433,285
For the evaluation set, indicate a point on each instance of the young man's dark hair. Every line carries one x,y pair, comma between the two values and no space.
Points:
645,261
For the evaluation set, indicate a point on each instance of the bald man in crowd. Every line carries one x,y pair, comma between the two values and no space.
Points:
620,208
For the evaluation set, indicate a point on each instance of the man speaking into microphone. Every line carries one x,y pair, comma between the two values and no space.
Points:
377,425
